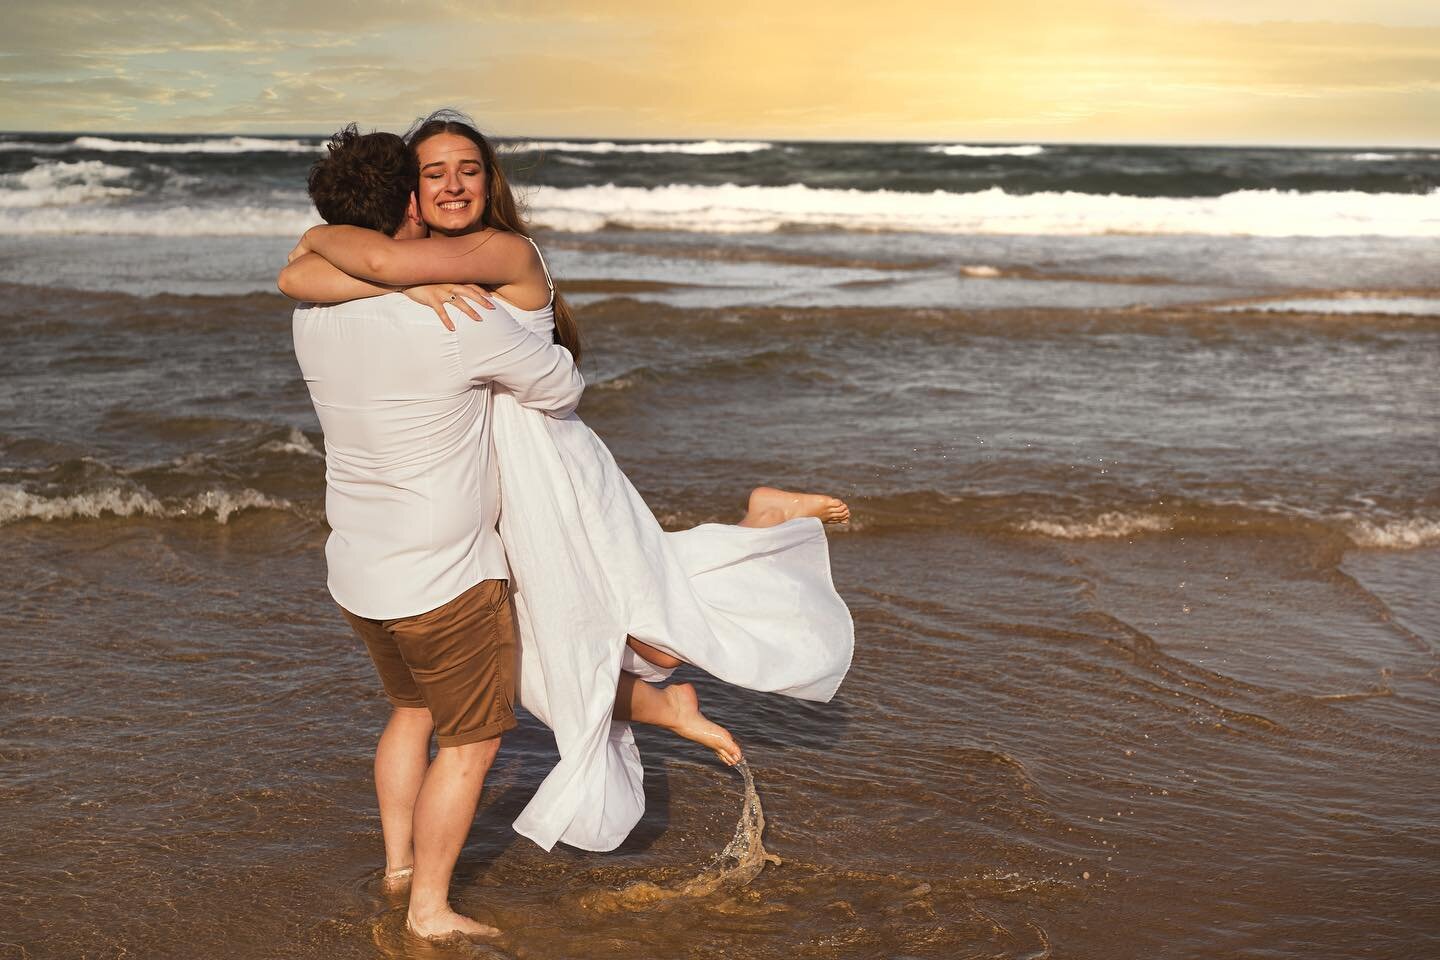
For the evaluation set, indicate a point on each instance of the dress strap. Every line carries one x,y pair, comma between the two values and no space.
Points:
543,266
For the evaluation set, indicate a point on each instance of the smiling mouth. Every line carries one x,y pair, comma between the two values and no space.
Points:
454,204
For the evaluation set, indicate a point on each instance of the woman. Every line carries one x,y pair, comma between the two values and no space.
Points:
600,590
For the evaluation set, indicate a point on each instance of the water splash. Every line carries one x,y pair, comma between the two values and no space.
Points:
735,866
745,855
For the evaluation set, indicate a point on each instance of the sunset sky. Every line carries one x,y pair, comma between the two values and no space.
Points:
1160,71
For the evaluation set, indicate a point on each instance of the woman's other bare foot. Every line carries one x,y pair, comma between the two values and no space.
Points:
447,925
770,506
693,725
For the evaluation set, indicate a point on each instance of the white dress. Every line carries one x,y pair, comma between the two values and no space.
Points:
589,564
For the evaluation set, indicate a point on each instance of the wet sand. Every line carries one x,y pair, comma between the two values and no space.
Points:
1014,764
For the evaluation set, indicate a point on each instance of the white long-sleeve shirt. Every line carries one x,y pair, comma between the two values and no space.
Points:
412,493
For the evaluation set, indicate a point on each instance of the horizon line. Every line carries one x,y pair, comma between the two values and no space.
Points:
940,141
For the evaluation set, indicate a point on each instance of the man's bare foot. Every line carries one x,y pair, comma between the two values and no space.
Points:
770,506
397,881
447,925
691,724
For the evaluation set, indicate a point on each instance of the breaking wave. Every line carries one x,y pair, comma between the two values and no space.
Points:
962,150
18,504
1106,525
63,183
1365,532
1372,157
1009,515
1395,534
59,197
176,221
295,441
696,148
744,209
208,145
224,466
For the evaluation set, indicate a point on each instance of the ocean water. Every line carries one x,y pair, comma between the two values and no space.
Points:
1142,445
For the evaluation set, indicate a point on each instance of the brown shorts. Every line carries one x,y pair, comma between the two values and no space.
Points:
458,660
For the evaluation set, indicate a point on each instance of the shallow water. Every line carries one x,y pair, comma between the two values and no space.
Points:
1048,746
1144,592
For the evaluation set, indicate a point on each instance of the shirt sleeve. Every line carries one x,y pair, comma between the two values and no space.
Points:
540,374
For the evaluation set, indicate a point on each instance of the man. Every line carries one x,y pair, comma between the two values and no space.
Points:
415,561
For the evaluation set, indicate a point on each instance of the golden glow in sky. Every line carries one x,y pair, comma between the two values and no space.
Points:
1159,71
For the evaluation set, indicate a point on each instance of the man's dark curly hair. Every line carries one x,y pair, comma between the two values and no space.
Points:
365,180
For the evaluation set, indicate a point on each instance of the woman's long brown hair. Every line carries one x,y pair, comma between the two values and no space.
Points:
501,211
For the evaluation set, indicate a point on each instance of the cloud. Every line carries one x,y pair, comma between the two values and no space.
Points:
1092,69
74,104
1394,13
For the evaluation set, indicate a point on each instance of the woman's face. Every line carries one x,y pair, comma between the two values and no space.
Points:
452,183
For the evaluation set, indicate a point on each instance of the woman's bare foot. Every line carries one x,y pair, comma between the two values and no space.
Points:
770,506
691,724
447,925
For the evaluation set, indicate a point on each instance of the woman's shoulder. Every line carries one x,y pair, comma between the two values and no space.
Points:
507,240
516,248
528,267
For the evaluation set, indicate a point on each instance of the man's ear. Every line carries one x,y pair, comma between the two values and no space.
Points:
412,209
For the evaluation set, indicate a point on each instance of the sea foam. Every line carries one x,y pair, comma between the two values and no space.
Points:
730,208
63,183
16,504
294,442
1110,525
210,145
1376,533
176,221
699,147
1395,534
964,150
35,146
213,145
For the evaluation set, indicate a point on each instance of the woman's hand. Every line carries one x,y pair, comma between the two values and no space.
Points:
301,248
462,295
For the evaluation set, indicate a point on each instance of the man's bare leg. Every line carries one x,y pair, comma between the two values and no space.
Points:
769,507
444,811
675,708
401,759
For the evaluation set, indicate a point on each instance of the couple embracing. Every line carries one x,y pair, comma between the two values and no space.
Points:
485,544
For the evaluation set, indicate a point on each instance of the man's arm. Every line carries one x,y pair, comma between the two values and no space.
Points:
314,279
542,375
